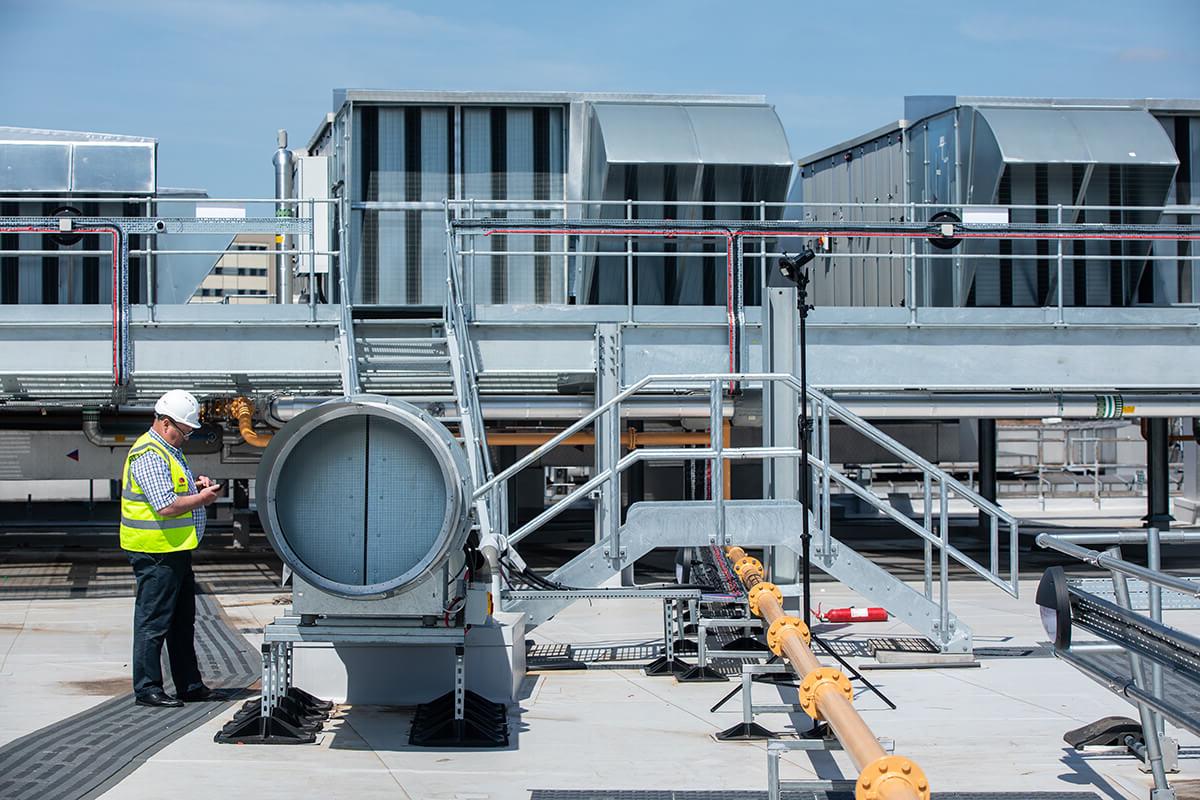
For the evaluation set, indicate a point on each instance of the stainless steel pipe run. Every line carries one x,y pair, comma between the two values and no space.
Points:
1138,536
748,409
1006,405
284,190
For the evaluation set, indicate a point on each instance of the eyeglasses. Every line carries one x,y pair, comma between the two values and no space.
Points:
186,433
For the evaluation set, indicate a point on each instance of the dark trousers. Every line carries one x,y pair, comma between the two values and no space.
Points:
164,613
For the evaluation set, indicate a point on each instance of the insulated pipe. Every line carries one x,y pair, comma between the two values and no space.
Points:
242,410
92,432
284,190
826,694
1007,405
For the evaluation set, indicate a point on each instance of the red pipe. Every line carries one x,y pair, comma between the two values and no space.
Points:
847,234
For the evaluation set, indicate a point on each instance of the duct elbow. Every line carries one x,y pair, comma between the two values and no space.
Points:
242,410
95,436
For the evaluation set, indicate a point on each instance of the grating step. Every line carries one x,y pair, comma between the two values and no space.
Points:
395,361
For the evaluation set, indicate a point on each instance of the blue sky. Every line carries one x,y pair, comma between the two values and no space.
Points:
213,80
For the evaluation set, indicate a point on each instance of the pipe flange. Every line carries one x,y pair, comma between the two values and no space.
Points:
758,589
813,682
747,564
889,770
776,631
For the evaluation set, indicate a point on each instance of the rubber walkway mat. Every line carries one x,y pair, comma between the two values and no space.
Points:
47,573
669,794
87,754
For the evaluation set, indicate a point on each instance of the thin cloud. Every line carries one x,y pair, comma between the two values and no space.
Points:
1144,55
998,28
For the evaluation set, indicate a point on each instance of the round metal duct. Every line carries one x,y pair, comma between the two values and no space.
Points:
364,495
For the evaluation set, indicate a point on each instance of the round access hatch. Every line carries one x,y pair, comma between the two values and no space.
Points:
364,495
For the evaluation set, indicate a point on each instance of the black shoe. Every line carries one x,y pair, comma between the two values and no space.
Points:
201,693
158,699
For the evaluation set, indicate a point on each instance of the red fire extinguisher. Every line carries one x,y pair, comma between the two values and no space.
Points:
871,614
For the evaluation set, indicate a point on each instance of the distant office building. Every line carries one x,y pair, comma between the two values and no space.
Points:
242,275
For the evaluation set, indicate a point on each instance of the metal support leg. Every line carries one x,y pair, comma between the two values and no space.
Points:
1154,751
668,634
773,792
1158,479
268,690
667,663
748,729
702,672
1154,562
460,685
987,467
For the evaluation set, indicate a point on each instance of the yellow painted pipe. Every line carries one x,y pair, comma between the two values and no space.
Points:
242,410
881,777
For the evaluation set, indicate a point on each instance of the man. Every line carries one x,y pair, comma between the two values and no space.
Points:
162,521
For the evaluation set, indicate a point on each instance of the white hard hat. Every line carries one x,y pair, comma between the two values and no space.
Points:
180,406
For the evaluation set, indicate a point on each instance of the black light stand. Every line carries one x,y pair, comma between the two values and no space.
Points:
794,268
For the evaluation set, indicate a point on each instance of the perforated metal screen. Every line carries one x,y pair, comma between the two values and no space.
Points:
361,500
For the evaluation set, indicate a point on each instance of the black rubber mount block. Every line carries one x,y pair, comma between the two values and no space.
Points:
484,723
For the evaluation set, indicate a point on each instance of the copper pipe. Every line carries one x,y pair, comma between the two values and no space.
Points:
881,777
242,410
630,439
1144,427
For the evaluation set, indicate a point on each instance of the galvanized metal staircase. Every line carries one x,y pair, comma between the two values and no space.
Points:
403,356
771,521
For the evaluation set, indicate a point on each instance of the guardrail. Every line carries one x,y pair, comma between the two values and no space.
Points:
1065,606
607,481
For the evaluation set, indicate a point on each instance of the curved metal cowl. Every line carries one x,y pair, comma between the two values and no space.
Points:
362,496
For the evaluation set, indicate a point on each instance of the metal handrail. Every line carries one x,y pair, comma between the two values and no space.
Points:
818,459
1106,561
948,484
489,508
883,440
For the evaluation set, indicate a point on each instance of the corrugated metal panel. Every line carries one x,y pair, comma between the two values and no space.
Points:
1079,136
683,134
869,171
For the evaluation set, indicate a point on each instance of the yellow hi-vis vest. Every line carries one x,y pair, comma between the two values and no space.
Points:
144,530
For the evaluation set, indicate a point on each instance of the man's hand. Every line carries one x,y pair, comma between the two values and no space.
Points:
206,494
209,494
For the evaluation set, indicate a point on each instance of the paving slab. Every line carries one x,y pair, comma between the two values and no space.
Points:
996,728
